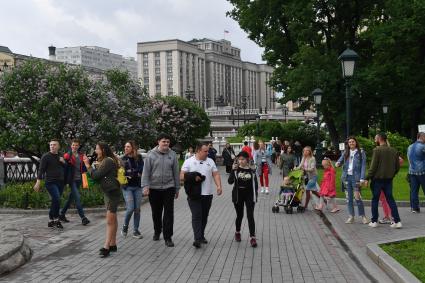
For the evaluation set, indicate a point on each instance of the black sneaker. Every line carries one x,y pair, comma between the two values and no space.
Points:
169,243
197,244
137,235
63,218
124,231
58,224
156,237
416,210
85,221
104,252
51,224
204,241
113,248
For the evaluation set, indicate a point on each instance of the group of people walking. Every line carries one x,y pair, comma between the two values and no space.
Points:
159,177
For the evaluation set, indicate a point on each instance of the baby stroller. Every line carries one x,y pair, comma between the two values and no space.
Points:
289,201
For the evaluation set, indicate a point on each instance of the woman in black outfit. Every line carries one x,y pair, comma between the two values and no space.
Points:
228,157
245,192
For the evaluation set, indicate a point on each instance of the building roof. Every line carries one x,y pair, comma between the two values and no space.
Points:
5,49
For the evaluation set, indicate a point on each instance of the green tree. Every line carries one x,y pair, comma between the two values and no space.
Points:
183,120
303,39
40,101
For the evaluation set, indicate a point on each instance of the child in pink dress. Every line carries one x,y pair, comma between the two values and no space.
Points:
327,187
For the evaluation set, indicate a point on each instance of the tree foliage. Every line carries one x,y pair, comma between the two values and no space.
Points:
41,101
183,120
303,38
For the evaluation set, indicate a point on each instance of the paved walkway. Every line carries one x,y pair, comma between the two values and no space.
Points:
292,248
358,235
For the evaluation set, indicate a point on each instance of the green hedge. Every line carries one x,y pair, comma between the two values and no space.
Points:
22,195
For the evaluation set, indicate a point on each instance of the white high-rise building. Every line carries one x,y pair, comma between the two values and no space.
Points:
95,57
208,71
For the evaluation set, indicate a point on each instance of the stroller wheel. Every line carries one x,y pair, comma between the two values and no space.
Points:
277,209
274,209
290,210
300,209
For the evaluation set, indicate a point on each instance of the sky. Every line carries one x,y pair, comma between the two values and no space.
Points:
29,26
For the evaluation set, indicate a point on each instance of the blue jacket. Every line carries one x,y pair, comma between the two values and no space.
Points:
416,156
359,166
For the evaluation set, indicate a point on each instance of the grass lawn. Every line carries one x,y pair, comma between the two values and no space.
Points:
410,254
401,189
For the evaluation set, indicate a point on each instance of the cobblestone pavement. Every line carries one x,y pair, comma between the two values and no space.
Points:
292,248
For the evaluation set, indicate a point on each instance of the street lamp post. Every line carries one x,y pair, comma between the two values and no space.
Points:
385,111
348,60
257,129
317,95
284,112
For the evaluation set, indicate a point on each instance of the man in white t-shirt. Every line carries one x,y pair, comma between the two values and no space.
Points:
200,207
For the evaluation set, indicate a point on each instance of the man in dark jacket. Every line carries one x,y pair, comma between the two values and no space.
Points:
384,166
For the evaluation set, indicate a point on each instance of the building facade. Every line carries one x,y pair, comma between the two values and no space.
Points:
94,57
207,71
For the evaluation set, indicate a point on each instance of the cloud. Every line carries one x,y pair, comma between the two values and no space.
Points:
118,25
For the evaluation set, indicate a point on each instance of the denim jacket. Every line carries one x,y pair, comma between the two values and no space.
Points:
257,159
359,169
416,156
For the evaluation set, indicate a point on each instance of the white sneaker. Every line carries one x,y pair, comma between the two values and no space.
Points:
350,220
396,225
262,190
373,224
267,190
365,220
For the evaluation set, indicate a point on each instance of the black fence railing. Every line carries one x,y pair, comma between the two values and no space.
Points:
17,170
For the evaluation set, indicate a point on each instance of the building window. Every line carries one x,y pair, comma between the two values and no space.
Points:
169,61
169,70
156,54
158,87
158,78
157,62
146,80
145,71
169,78
157,71
145,55
145,64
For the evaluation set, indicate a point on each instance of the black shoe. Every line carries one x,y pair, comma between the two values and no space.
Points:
104,252
156,237
51,224
124,231
204,241
63,218
58,224
113,248
416,210
197,244
137,235
85,221
169,243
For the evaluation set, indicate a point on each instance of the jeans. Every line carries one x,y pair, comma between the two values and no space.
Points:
133,198
415,182
55,190
163,200
200,209
351,185
385,185
74,195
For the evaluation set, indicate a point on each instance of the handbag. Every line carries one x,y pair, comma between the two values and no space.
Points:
85,181
122,179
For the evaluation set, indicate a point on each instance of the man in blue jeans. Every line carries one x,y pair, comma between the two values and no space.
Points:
384,166
51,168
73,170
416,156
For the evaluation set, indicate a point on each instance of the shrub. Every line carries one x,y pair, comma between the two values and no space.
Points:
22,195
367,145
299,131
399,142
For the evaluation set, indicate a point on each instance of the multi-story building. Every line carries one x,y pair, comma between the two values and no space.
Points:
95,57
208,71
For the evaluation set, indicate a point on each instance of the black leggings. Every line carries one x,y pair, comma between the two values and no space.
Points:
244,198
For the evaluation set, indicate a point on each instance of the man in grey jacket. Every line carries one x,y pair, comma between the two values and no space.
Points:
160,180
